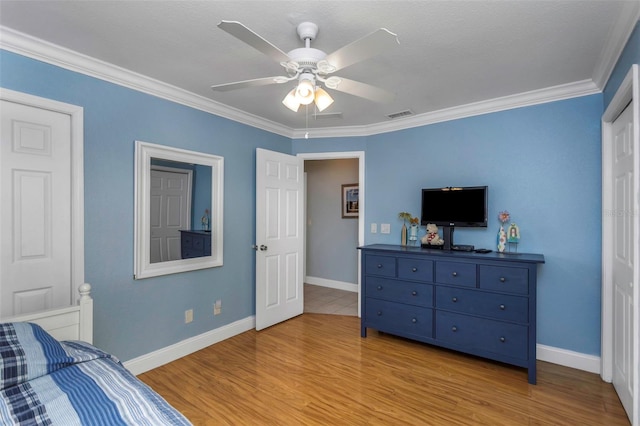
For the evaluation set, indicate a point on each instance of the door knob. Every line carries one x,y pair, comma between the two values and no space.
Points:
262,247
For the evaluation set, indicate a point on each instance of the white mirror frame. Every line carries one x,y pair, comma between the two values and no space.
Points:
143,268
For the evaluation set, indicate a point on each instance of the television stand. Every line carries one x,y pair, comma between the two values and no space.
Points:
447,236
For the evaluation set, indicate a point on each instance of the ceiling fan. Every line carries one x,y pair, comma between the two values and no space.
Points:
309,66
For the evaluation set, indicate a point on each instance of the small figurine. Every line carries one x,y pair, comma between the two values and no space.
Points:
205,220
513,234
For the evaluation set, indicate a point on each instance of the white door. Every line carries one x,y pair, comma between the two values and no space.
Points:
35,213
622,257
170,211
279,237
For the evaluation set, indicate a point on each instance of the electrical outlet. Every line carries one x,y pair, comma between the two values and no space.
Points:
188,316
217,307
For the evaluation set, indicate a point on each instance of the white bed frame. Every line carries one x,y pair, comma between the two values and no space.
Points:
72,323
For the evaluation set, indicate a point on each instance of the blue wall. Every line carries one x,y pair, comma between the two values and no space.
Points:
133,318
541,163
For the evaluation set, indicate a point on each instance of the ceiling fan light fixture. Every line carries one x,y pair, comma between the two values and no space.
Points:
322,98
291,101
306,89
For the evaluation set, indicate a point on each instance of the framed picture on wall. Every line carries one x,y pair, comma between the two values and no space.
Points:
350,200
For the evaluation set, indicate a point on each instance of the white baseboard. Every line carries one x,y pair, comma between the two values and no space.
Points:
144,363
339,285
165,355
577,360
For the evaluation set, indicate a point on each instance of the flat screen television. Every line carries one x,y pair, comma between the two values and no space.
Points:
454,206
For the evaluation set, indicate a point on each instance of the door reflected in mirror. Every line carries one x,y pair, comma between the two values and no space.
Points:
180,210
179,207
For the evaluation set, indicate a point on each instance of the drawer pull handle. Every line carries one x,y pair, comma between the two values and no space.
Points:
502,339
414,269
454,273
502,307
454,299
379,287
454,328
379,313
502,279
379,266
414,293
414,320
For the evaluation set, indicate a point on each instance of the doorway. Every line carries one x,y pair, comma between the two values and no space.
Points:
335,166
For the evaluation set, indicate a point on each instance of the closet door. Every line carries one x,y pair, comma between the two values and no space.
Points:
37,211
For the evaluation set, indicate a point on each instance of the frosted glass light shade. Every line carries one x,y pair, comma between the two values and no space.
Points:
323,100
305,92
291,101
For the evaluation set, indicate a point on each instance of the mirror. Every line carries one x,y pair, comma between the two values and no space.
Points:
178,210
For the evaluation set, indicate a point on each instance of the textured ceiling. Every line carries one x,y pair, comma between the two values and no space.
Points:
451,53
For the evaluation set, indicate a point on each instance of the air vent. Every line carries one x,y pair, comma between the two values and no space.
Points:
326,115
400,114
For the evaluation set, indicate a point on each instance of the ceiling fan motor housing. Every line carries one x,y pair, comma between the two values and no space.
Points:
306,57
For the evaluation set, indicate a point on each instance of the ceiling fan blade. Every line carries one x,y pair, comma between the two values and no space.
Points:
364,48
244,84
243,33
364,90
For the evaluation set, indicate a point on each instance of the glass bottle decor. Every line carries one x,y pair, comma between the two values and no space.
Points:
502,239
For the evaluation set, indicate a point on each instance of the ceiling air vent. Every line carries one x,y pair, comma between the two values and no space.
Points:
326,115
400,114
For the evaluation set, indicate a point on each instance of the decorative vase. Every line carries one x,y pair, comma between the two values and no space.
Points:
413,234
502,239
403,234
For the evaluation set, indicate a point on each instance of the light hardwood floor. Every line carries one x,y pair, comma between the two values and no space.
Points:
315,369
325,300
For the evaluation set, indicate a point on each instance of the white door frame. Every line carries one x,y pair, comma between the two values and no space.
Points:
361,195
76,113
629,91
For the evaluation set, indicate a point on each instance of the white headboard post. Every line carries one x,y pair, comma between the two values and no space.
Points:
86,313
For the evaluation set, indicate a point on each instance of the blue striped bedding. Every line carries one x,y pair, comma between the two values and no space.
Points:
47,382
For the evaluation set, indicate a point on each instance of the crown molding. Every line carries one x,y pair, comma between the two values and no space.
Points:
618,38
44,51
535,97
25,45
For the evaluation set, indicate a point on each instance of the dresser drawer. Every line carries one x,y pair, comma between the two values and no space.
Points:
504,278
478,334
399,291
380,265
498,306
456,273
398,318
415,269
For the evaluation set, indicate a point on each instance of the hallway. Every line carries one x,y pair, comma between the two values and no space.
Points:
325,300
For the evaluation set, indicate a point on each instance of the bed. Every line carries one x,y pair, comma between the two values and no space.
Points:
51,374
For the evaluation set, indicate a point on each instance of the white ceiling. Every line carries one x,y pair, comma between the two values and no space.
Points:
454,57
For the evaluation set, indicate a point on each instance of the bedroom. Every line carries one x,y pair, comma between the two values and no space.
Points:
551,184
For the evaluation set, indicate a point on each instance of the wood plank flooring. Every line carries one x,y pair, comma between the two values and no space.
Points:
315,369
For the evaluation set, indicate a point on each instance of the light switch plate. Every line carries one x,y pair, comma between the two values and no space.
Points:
385,228
374,228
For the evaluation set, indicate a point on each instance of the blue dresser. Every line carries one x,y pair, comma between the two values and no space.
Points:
481,304
195,244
